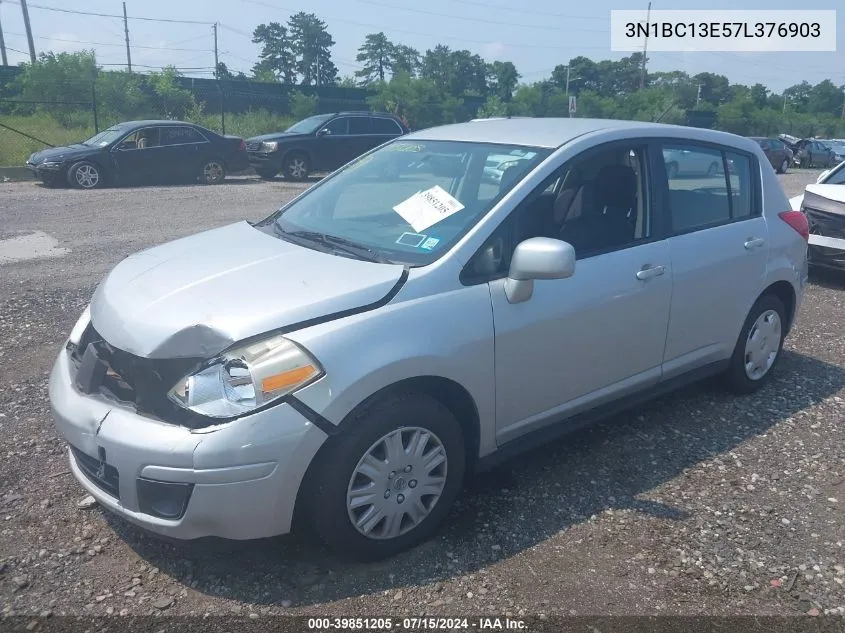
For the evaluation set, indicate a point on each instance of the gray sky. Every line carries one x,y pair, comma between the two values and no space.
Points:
535,38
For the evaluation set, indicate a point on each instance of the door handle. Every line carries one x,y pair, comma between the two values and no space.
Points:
648,272
753,242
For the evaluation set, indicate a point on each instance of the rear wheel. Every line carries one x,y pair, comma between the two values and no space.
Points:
386,484
213,172
85,175
296,166
759,346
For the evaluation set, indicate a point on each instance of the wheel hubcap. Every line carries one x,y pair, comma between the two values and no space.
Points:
87,176
297,168
762,345
397,483
213,172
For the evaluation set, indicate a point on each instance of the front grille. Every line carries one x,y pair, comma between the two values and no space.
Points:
140,382
824,223
254,146
102,475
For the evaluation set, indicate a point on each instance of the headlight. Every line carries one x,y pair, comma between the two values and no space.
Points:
269,146
79,328
246,378
50,164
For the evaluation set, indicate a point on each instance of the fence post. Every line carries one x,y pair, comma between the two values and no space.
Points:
94,106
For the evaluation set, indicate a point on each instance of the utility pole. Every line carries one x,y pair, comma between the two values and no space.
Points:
645,47
126,33
567,90
28,28
318,69
216,62
698,96
2,44
841,116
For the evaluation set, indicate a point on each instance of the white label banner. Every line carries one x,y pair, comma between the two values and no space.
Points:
723,30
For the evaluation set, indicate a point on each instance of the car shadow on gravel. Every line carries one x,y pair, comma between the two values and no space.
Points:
617,465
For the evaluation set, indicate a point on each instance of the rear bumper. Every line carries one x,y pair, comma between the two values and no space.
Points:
239,162
241,478
826,251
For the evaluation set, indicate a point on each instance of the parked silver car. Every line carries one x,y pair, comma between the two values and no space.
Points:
354,356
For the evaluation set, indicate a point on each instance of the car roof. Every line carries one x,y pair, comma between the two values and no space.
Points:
160,122
384,115
552,133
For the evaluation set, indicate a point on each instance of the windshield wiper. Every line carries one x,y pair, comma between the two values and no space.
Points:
338,243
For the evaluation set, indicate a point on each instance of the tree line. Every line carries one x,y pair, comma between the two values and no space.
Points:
442,85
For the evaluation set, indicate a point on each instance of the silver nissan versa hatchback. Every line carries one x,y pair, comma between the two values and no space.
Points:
409,320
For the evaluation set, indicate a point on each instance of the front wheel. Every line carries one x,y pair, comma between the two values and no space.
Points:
386,483
784,167
213,172
296,166
759,346
85,175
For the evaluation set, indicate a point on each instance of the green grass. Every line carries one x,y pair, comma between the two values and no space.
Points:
15,148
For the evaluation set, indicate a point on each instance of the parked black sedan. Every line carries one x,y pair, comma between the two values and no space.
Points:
142,152
323,142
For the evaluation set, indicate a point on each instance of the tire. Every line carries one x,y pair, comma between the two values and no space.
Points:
296,166
784,167
85,175
672,170
213,172
267,174
738,377
336,474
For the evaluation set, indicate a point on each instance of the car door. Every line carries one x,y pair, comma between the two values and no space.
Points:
718,251
183,152
332,145
361,138
600,334
137,158
384,130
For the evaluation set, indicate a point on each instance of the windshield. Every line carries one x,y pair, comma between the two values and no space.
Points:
408,202
105,137
309,125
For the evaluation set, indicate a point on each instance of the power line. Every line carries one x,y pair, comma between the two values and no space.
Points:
438,36
533,11
154,48
452,16
111,15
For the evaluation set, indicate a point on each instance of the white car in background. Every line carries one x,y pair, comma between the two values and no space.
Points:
828,178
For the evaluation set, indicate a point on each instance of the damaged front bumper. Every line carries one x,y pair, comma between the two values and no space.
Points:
238,480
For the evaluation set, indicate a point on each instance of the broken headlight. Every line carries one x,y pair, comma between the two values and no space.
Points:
79,328
246,378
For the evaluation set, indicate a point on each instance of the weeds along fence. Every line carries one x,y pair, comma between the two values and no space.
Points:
71,110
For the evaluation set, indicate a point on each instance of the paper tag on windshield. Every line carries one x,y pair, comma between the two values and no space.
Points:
427,208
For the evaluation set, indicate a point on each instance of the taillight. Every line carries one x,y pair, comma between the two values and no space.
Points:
797,221
242,147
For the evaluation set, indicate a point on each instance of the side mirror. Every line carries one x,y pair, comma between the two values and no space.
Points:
537,258
822,176
323,132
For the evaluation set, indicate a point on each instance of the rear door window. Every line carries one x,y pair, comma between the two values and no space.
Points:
179,135
701,192
359,125
383,125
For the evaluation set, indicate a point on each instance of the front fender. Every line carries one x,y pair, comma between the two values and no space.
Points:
448,335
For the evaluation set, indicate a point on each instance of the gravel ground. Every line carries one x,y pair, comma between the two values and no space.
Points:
698,503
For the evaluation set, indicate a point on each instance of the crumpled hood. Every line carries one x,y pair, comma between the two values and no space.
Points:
61,153
196,296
